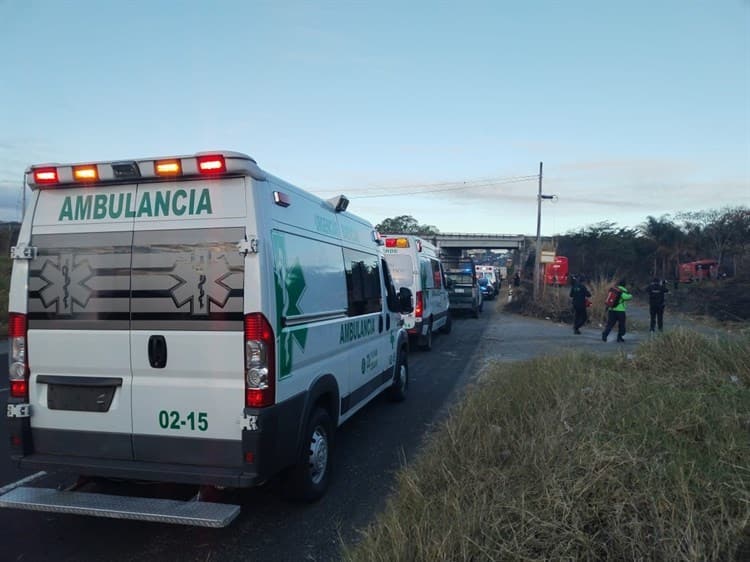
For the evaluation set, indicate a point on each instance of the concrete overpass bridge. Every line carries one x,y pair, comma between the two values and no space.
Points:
453,244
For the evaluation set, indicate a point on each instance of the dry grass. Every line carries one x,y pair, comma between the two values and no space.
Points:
585,458
554,302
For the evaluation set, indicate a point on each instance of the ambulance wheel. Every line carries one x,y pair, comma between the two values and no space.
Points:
425,342
308,479
446,329
400,387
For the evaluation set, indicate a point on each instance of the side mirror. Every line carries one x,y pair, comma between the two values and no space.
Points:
449,283
404,300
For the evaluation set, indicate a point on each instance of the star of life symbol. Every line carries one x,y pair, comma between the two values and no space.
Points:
200,279
66,284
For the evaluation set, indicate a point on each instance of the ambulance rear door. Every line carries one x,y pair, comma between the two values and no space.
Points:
78,322
187,321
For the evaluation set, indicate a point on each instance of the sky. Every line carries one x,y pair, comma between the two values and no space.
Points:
438,110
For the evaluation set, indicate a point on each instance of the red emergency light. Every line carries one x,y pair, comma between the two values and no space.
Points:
45,176
211,165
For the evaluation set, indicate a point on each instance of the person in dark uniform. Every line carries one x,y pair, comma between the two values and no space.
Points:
656,291
579,294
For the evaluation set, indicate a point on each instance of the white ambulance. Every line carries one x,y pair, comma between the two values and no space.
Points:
414,264
491,273
191,319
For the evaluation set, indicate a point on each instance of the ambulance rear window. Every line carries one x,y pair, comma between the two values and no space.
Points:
401,269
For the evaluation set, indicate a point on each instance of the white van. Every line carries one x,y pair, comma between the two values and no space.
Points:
491,273
191,319
414,264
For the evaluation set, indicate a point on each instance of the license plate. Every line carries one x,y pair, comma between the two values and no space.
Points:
458,290
80,398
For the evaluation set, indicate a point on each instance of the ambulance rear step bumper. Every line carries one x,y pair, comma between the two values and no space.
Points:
197,513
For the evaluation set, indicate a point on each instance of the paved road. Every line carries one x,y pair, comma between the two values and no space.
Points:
370,448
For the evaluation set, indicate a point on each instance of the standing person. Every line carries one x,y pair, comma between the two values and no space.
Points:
616,313
656,291
579,294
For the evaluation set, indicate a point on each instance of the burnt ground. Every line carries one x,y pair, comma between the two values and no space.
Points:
727,300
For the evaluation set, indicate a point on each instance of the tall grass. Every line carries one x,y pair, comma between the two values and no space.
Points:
585,458
554,302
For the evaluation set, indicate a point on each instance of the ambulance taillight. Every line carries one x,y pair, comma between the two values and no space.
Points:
260,362
418,305
18,370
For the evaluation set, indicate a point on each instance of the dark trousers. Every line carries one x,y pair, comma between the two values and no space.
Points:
657,316
580,316
615,317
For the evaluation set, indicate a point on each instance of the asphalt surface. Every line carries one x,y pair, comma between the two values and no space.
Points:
370,448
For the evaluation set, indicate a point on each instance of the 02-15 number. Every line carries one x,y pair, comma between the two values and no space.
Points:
192,421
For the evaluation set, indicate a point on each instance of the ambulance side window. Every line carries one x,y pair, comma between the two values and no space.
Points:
425,273
392,297
437,275
362,283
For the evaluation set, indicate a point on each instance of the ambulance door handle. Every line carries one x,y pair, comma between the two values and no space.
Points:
157,352
380,323
387,320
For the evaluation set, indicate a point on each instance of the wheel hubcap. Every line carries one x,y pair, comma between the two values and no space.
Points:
318,455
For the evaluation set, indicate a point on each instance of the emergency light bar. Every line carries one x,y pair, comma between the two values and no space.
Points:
167,168
150,169
85,173
211,164
396,242
45,175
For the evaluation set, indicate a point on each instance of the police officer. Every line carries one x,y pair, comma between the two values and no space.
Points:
656,291
578,294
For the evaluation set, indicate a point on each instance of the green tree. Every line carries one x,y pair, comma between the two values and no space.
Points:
719,233
405,224
667,239
604,250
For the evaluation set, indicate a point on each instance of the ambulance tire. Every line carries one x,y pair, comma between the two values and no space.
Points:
446,328
308,480
400,387
425,342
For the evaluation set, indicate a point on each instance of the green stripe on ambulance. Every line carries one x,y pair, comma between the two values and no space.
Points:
180,202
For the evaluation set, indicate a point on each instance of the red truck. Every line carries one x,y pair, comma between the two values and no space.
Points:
556,273
698,270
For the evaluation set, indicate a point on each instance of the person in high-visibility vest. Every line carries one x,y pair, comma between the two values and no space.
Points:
616,314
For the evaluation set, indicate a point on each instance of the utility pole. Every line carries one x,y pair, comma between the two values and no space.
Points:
538,256
538,260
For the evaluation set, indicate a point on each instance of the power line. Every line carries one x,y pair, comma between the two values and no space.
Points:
439,187
459,188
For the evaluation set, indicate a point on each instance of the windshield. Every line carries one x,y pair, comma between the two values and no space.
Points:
460,278
402,269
